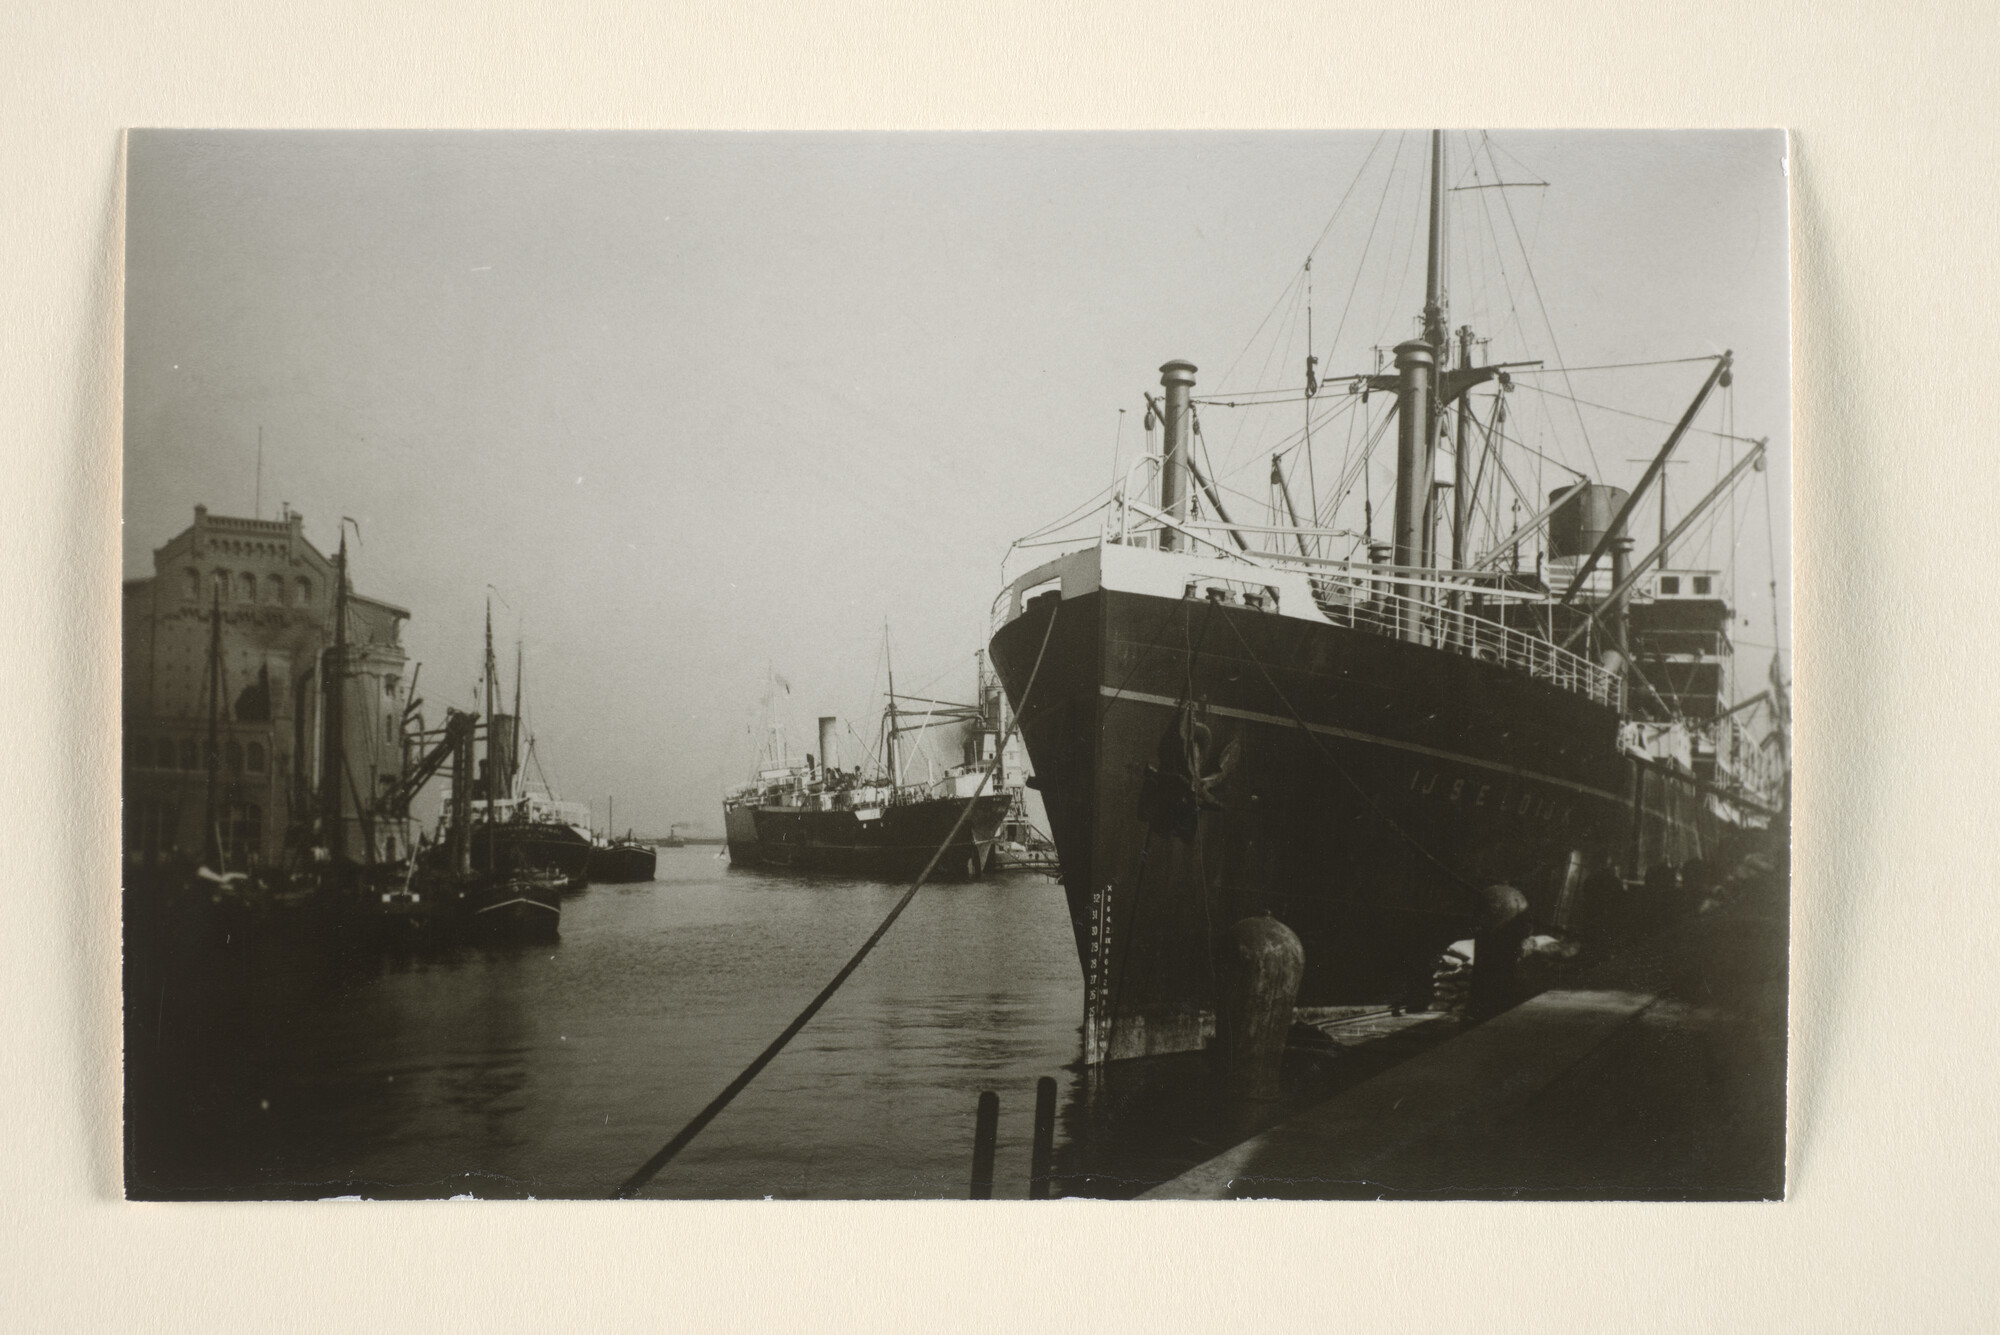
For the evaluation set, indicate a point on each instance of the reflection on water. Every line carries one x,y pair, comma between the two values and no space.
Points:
553,1071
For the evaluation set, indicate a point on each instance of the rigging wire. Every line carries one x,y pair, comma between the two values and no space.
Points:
1382,303
1361,264
1771,554
1264,371
1610,366
1295,395
1626,412
1546,458
1098,500
1500,262
1312,472
1535,286
1293,439
1729,421
646,1171
1325,519
1351,185
1475,258
1248,343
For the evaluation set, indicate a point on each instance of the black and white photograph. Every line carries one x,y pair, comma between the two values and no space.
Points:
1134,666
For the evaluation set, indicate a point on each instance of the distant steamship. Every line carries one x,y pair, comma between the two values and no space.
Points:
816,816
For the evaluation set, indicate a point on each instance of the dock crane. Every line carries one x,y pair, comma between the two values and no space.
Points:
460,728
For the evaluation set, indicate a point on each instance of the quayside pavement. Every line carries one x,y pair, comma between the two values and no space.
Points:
1657,1075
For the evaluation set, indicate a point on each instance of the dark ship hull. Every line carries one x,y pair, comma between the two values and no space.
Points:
1362,789
895,845
622,863
511,846
523,906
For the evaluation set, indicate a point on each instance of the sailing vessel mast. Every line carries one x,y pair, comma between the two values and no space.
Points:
492,782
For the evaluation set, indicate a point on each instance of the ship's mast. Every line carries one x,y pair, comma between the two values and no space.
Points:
1434,296
492,783
891,744
1417,364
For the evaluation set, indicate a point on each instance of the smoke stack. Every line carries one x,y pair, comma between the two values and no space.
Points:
829,744
1176,378
1621,564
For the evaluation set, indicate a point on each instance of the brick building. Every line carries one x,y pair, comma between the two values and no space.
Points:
276,595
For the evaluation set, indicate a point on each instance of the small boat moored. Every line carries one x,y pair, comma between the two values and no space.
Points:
622,861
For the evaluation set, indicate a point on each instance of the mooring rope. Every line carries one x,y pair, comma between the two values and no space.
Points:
630,1187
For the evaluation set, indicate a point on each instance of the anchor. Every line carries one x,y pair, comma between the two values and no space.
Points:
1180,785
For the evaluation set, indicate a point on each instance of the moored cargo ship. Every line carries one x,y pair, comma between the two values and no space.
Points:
1385,753
816,816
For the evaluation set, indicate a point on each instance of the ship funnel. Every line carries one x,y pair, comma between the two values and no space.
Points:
829,743
1176,378
1580,523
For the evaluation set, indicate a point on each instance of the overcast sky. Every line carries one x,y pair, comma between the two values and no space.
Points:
698,404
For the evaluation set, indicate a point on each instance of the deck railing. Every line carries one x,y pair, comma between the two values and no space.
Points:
1371,604
1363,597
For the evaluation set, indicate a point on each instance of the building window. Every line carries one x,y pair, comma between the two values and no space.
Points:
150,830
187,753
1701,584
243,832
253,758
220,583
274,589
305,590
232,755
1670,584
190,584
389,686
166,753
247,588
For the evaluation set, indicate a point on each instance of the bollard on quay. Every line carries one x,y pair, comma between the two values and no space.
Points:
1260,969
1496,955
985,1132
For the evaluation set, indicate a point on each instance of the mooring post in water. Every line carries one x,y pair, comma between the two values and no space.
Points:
1261,966
984,1134
1041,1167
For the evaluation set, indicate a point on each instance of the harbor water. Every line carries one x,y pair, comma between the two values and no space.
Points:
555,1070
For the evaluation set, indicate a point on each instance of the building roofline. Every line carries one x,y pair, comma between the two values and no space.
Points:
388,607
